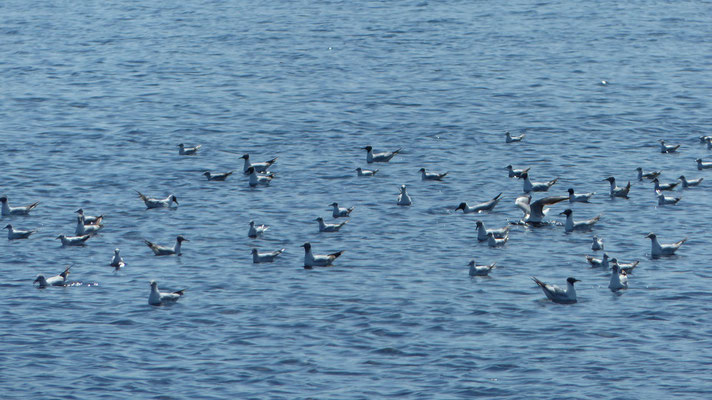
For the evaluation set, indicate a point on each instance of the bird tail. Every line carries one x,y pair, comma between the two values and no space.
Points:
272,161
33,205
180,292
337,254
140,195
351,209
374,171
678,244
148,243
497,196
538,282
553,182
66,272
397,151
596,218
589,259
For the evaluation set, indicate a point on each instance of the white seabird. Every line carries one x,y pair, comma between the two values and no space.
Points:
664,186
188,151
534,212
580,198
619,279
217,177
403,197
57,280
599,262
256,230
82,229
627,268
557,294
647,175
165,250
658,249
259,167
511,139
157,298
366,172
597,243
431,176
90,219
318,260
256,179
570,225
486,206
23,210
482,232
337,212
117,262
385,156
617,191
13,233
495,242
530,186
258,257
480,270
73,240
664,148
700,165
158,203
324,227
704,139
690,183
516,173
663,200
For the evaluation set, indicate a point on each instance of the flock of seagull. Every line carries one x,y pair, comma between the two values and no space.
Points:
534,213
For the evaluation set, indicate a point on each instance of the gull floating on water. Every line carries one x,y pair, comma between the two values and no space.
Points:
664,148
340,212
366,172
256,179
83,229
664,186
256,230
13,233
157,298
599,262
704,139
617,191
511,139
385,156
647,175
324,227
158,203
557,294
23,210
570,225
259,167
483,232
663,200
690,183
403,197
658,249
431,176
700,165
90,219
73,240
187,151
597,243
165,250
534,212
217,177
580,198
258,257
57,280
117,262
627,268
619,279
486,206
480,270
530,186
495,242
516,173
318,260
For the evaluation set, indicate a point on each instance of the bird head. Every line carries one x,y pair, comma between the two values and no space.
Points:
566,212
572,280
307,246
610,179
3,199
245,156
174,198
479,224
651,235
180,238
250,170
509,167
8,226
367,148
571,191
524,175
421,170
462,206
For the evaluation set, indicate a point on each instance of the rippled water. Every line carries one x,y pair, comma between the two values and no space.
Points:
95,97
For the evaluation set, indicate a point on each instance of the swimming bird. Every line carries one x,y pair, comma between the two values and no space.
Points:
511,139
658,249
627,268
580,198
324,227
599,262
13,233
158,203
704,139
187,151
690,183
117,262
258,257
570,225
366,172
403,197
516,173
318,260
91,219
666,148
617,191
480,270
57,280
431,176
534,212
482,232
486,206
258,167
165,250
156,298
256,179
73,240
340,212
597,243
496,242
256,230
664,186
619,279
663,200
709,144
700,165
530,186
647,175
23,210
217,177
557,294
83,229
372,157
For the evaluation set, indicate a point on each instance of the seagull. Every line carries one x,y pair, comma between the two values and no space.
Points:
627,268
704,139
647,175
581,198
617,191
259,167
366,172
117,262
486,206
90,219
324,227
431,176
557,294
480,270
663,249
511,139
534,212
24,210
340,212
217,177
598,262
597,243
57,280
13,233
372,157
570,225
530,186
158,203
663,200
403,197
691,183
709,144
165,250
700,166
256,179
187,151
495,242
73,240
664,186
157,298
311,260
256,230
619,279
482,232
265,257
516,173
667,149
82,229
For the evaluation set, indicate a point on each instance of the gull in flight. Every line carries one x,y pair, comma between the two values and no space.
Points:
534,212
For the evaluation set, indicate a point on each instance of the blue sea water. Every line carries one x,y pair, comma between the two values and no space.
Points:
95,96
